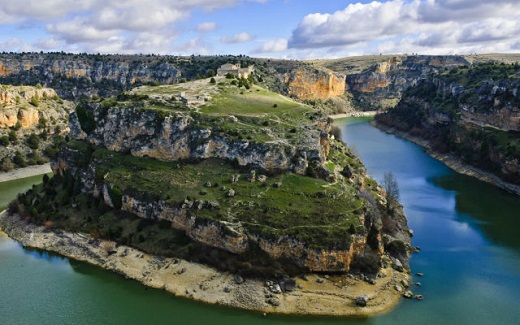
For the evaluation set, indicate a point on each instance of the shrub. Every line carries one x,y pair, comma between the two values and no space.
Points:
336,132
212,80
19,160
35,101
13,137
33,141
7,164
86,119
4,140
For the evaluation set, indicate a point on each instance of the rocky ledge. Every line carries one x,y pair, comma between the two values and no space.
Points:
307,295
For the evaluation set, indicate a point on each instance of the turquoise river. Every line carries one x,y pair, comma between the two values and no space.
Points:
468,232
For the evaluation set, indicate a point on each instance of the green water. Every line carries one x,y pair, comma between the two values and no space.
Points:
468,231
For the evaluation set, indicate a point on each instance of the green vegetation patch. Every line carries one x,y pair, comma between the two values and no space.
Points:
312,210
256,100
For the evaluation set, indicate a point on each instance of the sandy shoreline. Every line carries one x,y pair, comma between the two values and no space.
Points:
352,114
330,296
452,161
25,172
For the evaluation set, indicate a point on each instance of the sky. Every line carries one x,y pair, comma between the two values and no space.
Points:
290,29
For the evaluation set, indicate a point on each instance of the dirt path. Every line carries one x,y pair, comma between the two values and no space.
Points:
25,172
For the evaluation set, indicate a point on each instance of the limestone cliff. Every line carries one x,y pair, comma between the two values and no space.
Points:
471,112
381,85
31,119
314,84
75,76
16,107
179,136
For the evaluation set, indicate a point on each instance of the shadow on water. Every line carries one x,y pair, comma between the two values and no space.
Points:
492,210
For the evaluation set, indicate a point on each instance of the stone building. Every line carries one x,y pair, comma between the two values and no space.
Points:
235,70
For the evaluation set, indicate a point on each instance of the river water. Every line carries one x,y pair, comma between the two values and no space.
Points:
468,231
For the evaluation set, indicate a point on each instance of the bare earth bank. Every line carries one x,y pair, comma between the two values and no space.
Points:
332,296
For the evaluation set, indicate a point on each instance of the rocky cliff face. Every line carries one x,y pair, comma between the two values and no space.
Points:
16,107
179,136
314,84
75,76
472,112
381,86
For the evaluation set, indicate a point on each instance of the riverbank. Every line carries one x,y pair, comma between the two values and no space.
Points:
353,114
452,161
330,296
25,172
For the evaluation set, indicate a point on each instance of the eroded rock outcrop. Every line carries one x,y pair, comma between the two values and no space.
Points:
381,85
314,84
179,136
473,113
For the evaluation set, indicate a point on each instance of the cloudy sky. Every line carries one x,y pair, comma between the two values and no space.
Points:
299,29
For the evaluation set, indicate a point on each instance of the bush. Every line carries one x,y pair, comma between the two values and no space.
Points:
35,101
86,119
7,164
33,141
4,140
13,137
336,132
212,81
19,160
17,126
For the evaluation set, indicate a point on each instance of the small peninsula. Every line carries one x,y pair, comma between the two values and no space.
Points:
221,191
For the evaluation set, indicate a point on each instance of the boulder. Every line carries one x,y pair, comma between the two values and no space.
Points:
362,300
408,294
238,279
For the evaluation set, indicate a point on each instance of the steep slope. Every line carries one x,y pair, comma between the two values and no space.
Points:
472,112
378,82
268,191
33,122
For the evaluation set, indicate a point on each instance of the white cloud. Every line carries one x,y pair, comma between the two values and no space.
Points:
452,25
273,46
10,44
237,38
206,27
111,25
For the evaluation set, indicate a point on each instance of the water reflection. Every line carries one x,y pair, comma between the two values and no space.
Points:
491,210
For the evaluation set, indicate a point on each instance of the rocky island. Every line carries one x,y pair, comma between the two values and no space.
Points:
224,192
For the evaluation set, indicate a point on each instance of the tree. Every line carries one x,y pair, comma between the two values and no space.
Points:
33,141
7,164
212,80
19,160
211,73
13,137
391,188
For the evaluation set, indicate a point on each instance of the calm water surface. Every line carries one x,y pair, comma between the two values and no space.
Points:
468,231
